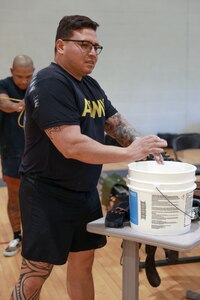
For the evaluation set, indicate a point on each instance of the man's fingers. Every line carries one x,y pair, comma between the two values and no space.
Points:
20,108
159,158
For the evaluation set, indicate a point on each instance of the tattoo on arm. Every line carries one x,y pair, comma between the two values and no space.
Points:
119,129
52,130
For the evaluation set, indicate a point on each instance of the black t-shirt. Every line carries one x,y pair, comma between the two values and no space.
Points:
11,134
56,98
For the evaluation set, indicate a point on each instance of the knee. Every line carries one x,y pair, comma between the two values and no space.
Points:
81,261
34,274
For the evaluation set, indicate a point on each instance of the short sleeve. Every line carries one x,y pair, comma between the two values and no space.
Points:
52,104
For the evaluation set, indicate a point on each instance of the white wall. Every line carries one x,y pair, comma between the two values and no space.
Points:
150,64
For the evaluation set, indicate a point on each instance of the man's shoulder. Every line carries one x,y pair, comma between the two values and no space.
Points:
51,71
6,81
45,70
90,80
6,85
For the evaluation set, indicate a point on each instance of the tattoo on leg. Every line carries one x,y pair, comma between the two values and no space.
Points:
32,277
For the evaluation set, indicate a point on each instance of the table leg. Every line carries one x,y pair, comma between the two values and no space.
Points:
130,272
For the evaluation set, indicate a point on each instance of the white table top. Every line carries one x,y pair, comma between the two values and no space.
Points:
181,242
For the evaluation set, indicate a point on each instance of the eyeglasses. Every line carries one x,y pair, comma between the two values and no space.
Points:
86,46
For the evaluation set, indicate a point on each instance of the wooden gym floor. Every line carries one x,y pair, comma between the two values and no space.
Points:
175,279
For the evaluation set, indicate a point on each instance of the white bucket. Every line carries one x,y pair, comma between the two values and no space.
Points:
161,196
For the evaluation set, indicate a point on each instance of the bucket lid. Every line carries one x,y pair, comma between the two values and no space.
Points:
158,182
169,167
135,189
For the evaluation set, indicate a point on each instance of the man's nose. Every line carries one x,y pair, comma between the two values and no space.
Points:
24,80
92,50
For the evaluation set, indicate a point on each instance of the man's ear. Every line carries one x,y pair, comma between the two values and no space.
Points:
60,46
11,71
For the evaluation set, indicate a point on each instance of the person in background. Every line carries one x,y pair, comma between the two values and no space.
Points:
12,91
67,113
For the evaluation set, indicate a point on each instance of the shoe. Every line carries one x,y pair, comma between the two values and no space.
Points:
12,248
171,256
150,266
116,217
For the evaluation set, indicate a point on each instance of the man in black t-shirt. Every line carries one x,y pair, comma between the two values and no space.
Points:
67,113
12,92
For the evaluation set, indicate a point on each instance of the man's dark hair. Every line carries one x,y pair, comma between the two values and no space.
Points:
75,22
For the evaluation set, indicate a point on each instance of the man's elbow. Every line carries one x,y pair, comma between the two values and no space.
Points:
71,152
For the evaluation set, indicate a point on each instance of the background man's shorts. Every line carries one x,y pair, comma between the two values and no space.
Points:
54,221
10,167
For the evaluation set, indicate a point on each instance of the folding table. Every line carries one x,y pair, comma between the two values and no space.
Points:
132,239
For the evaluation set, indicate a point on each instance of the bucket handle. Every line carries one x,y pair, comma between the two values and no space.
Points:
173,203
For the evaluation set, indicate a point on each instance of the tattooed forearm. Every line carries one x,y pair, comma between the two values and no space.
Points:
51,131
125,135
119,129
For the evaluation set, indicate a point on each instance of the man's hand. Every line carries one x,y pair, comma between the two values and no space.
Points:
20,106
9,106
143,146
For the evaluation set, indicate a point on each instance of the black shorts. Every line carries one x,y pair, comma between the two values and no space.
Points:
54,221
10,167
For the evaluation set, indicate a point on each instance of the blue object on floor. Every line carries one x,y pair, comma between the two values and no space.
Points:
2,183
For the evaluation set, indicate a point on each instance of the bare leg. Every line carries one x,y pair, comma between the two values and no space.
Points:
79,275
13,202
32,277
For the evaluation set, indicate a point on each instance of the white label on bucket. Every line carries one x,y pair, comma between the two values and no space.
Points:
143,210
171,211
188,207
163,213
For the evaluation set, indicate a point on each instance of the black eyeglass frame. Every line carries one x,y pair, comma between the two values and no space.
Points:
95,46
